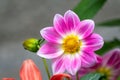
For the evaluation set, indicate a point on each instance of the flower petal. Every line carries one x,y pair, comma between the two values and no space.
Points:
60,76
50,35
85,70
93,42
58,65
49,51
88,59
112,58
85,28
71,19
72,63
29,71
59,24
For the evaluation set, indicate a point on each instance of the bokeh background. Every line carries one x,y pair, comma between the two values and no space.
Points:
22,19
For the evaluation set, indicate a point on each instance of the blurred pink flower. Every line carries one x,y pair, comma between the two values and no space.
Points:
109,67
70,43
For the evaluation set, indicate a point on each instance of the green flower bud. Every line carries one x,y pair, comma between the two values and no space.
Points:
31,44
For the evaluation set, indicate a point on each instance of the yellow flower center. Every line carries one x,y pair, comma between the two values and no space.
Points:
71,44
106,71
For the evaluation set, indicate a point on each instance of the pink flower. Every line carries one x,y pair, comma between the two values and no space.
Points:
109,67
70,43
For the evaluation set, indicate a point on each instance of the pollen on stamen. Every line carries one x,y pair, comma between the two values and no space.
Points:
105,71
71,44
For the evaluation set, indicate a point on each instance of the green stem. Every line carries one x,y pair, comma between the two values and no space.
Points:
43,59
46,67
77,77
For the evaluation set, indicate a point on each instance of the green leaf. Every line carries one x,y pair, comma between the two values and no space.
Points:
114,22
88,8
118,78
91,76
108,45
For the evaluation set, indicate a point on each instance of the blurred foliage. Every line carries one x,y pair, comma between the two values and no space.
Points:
108,45
92,76
110,23
118,78
87,9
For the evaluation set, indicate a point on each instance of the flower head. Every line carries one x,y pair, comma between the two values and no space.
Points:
70,43
109,67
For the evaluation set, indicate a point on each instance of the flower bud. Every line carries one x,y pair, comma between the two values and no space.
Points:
31,44
61,77
29,71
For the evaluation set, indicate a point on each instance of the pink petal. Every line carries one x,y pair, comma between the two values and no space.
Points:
59,24
50,35
98,62
85,28
88,59
116,73
113,78
58,65
93,42
49,51
112,58
72,63
71,19
84,71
